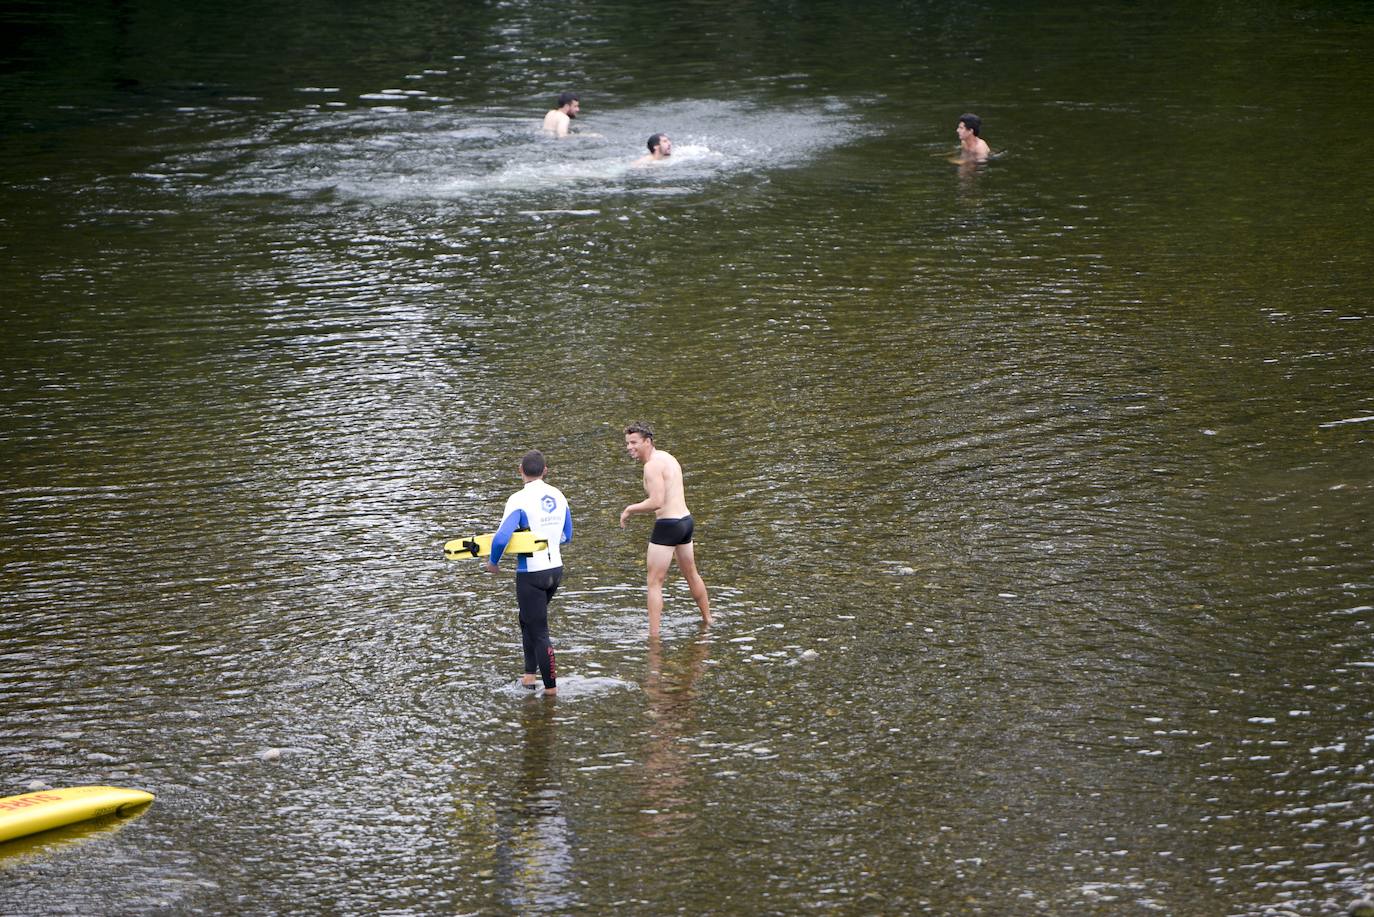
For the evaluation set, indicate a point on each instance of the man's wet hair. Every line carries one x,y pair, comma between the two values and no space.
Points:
533,464
567,98
654,143
640,427
973,123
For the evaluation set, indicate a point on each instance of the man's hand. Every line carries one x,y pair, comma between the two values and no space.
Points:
624,516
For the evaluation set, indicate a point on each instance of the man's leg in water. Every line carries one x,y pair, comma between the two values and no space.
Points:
657,561
687,563
533,591
527,644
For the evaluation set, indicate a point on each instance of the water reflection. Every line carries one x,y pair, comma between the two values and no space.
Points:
670,683
25,852
535,850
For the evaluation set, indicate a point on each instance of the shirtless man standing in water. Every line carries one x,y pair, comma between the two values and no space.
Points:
672,535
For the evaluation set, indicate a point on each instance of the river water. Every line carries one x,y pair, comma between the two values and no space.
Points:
1033,499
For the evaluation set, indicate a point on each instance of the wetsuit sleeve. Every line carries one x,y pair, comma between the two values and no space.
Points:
567,526
514,520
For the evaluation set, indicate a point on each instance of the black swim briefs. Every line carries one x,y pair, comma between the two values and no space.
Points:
672,532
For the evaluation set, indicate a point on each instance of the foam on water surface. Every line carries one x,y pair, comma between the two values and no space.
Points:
572,687
387,155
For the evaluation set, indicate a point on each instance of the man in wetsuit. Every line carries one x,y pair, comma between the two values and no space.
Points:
672,535
559,119
542,509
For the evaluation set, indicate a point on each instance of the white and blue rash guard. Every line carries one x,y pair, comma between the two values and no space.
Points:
542,509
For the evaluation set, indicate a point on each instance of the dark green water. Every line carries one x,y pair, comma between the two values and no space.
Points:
1033,500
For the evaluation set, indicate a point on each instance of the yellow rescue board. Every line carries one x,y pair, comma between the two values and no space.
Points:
480,545
34,812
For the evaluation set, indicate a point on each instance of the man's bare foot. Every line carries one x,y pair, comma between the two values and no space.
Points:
550,692
527,681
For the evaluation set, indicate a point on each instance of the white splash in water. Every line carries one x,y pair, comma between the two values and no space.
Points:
384,155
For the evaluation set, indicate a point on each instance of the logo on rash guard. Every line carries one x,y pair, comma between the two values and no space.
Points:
548,502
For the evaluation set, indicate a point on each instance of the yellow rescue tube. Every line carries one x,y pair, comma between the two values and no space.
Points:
34,812
480,545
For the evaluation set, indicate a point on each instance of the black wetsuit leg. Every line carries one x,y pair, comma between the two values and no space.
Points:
533,592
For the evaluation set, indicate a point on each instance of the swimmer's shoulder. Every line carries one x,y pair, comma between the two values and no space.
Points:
556,122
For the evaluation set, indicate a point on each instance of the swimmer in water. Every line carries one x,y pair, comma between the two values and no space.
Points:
559,119
660,148
972,147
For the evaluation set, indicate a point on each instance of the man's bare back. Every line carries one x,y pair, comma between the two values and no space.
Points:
559,119
557,123
663,473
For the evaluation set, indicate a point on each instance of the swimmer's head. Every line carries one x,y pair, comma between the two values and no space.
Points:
641,428
533,464
657,141
973,123
568,102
